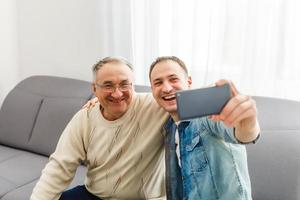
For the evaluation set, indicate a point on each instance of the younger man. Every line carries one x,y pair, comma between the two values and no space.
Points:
204,156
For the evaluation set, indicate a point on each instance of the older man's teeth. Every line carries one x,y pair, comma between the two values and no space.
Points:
116,100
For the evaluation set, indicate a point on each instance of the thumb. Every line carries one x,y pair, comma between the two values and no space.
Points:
233,89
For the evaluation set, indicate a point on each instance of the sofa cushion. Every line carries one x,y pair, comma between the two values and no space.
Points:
5,186
19,168
36,111
274,165
20,192
274,161
54,112
52,86
278,114
26,190
7,153
17,117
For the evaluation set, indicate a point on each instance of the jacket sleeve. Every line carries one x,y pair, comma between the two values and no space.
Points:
220,130
69,154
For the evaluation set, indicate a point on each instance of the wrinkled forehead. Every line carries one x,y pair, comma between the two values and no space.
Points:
114,72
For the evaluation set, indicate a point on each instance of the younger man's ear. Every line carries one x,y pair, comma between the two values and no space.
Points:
190,81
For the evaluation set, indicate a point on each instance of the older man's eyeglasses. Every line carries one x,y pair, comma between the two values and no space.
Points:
109,88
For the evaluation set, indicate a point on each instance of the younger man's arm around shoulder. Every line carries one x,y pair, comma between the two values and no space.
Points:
62,165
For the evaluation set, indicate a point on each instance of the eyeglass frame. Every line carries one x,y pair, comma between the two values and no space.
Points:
110,88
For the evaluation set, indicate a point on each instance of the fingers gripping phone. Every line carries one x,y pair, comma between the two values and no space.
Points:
202,102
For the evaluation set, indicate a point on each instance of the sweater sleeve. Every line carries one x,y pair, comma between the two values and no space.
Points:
69,154
154,187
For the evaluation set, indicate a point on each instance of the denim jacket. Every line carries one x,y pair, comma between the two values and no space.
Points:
213,163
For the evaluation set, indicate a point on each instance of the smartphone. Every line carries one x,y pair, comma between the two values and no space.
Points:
202,102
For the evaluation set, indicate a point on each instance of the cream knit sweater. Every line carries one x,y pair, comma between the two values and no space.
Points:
125,157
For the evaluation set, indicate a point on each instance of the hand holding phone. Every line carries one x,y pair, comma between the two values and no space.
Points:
202,102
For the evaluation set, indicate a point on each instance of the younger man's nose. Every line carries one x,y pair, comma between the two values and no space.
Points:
167,87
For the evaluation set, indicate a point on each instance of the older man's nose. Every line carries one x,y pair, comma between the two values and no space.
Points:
117,93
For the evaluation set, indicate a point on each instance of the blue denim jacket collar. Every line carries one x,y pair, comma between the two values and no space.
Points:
170,122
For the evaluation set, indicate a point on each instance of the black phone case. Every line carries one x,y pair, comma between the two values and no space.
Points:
202,102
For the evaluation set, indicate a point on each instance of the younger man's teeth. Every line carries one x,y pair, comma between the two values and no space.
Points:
169,97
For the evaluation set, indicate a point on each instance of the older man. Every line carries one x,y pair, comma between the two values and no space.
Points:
119,141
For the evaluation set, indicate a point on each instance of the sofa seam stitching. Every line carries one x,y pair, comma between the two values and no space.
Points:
35,120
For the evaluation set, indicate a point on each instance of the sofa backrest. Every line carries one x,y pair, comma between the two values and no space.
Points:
36,111
274,161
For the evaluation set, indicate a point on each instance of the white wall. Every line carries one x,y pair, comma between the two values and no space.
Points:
58,38
9,74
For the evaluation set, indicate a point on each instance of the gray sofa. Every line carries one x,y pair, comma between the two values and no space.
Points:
35,112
